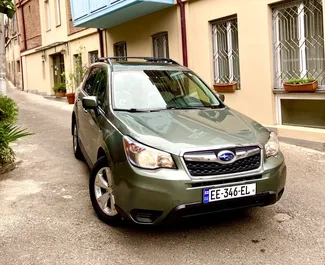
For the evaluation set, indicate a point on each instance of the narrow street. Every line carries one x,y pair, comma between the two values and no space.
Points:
47,217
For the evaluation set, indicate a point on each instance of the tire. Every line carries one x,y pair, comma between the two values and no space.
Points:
75,141
101,190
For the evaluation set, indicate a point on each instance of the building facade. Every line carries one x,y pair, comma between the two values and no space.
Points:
257,44
50,44
13,65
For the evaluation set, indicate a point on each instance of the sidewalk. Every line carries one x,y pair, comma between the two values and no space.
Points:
39,99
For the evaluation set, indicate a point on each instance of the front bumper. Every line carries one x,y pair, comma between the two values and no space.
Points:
153,197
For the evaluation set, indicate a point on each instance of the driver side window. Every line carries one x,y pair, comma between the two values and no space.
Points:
100,86
90,83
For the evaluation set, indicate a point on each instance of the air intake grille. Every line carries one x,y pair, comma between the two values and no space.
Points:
198,168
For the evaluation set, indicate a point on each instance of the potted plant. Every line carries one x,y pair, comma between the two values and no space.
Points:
74,78
70,95
225,87
7,7
59,90
301,85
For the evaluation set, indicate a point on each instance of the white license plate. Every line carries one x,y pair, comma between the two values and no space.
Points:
225,193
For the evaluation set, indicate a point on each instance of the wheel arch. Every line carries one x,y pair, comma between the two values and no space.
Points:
101,152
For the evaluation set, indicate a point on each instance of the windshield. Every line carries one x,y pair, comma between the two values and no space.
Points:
158,89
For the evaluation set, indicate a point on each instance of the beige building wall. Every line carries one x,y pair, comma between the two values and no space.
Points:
42,80
137,34
34,80
53,21
90,44
56,39
255,98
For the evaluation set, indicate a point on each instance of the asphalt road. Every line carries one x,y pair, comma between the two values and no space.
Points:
46,216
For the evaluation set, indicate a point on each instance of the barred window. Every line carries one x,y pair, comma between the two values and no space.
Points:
120,50
298,41
225,51
160,45
92,56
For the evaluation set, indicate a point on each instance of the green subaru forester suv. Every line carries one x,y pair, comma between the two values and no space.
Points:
163,146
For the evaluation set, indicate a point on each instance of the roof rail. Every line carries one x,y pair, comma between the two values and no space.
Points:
147,59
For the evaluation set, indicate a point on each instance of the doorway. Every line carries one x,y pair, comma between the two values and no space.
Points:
58,68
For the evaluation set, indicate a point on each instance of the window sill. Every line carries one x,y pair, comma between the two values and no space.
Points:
282,91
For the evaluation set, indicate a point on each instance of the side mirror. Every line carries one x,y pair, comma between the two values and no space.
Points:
221,97
90,102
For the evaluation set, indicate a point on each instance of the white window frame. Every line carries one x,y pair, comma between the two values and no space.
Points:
47,15
293,96
58,12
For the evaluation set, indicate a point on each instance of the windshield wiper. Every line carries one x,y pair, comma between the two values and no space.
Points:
134,110
139,110
193,107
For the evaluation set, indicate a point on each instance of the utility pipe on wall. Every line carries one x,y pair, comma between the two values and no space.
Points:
3,84
25,43
184,35
101,43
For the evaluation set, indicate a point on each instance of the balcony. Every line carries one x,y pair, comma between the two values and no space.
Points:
109,13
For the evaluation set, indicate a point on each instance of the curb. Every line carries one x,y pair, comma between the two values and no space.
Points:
56,99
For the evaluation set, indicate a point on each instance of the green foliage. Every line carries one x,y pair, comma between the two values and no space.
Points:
9,132
7,155
300,81
8,110
75,77
7,4
7,7
60,87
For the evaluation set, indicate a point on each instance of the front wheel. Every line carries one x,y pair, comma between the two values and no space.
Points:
76,147
101,189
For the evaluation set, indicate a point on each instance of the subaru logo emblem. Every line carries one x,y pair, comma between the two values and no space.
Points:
226,156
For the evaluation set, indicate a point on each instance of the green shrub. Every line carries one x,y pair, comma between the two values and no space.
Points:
8,131
295,81
8,110
7,155
60,87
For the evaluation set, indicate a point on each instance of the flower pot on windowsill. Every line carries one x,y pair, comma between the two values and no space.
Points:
301,87
70,97
225,87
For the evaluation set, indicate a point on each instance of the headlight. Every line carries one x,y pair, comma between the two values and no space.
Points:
272,146
146,157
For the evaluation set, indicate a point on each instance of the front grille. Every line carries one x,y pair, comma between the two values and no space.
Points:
197,168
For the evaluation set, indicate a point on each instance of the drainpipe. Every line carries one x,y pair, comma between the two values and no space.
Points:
25,43
183,27
101,43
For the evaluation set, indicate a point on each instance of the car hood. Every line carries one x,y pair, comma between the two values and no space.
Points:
175,131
